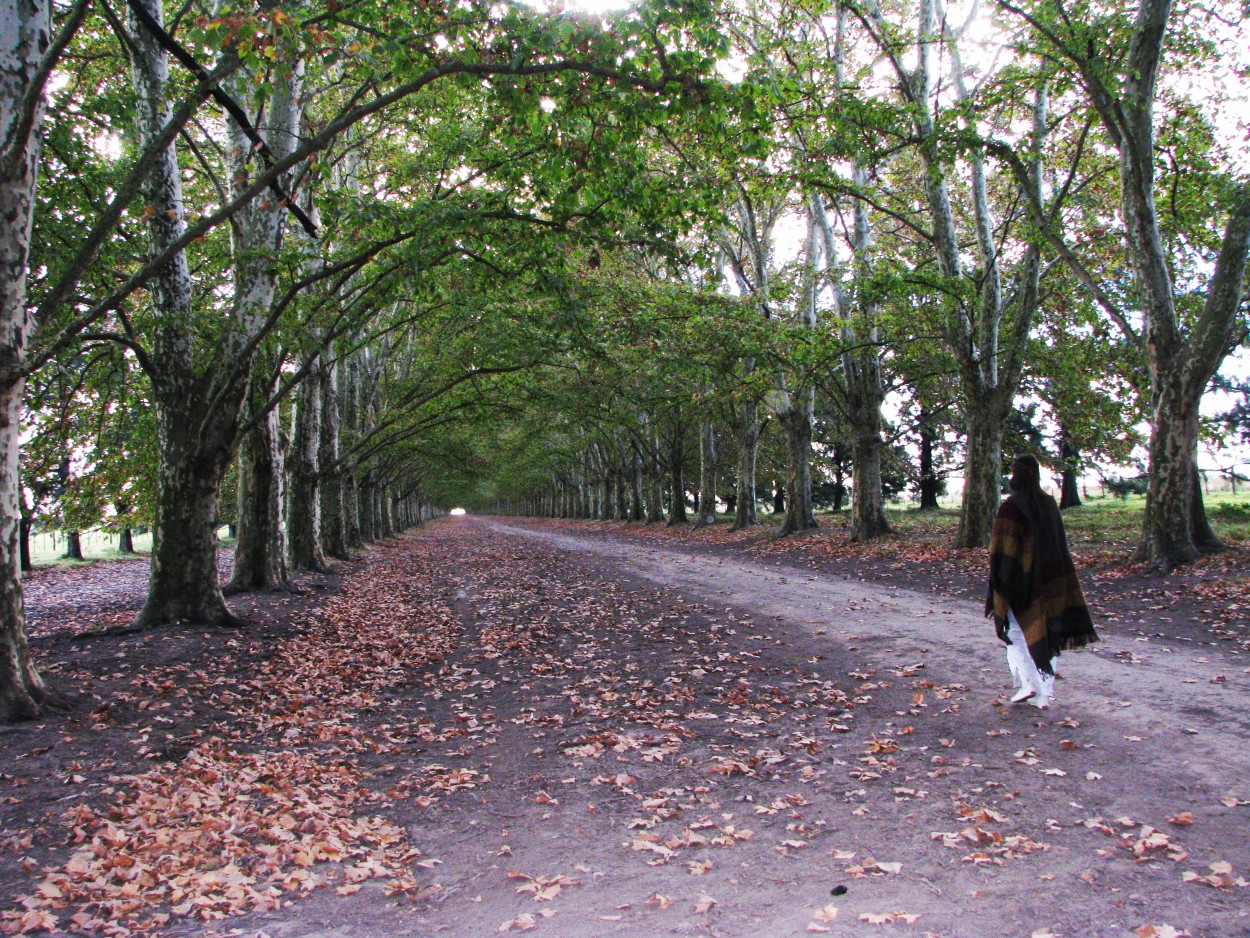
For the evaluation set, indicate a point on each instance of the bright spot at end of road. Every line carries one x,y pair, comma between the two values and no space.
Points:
456,511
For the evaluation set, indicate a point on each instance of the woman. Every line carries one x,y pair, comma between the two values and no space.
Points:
1034,595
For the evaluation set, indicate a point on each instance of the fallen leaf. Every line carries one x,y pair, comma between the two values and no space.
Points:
523,922
827,914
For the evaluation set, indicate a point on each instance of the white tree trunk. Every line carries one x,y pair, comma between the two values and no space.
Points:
25,35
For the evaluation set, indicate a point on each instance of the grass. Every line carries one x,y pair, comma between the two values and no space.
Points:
1097,521
48,549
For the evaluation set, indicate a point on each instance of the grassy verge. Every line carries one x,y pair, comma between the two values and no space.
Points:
1096,522
48,549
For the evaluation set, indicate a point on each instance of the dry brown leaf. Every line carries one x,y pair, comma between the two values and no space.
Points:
827,914
523,922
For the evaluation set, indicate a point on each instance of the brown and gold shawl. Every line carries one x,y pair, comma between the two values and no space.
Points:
1032,575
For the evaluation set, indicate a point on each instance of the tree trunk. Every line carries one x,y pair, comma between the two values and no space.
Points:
748,433
257,235
861,369
333,525
676,467
365,507
1169,529
73,546
184,585
868,517
24,526
581,498
655,482
1069,458
865,394
197,414
636,512
983,474
303,520
1181,361
351,511
382,512
24,39
23,695
126,541
622,483
707,474
399,512
1176,530
797,422
987,331
929,483
260,548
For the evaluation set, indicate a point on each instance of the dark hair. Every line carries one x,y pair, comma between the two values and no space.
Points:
1026,478
1026,474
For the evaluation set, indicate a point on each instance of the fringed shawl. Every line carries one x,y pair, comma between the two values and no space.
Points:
1032,575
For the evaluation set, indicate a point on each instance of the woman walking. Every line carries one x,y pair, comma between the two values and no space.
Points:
1034,595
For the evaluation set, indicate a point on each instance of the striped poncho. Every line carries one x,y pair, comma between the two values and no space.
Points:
1032,575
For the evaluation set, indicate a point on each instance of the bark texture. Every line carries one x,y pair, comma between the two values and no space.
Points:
333,526
25,37
748,438
194,439
929,482
797,423
260,549
655,480
303,518
676,473
199,399
73,546
707,474
1069,458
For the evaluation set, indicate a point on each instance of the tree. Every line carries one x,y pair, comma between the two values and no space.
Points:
1118,66
28,52
986,311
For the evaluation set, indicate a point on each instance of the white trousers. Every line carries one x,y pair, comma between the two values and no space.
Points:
1024,672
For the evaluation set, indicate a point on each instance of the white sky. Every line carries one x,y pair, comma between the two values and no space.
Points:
583,6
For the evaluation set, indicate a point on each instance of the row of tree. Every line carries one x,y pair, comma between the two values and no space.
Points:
363,259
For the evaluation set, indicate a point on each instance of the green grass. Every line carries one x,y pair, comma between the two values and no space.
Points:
1097,521
48,549
1110,520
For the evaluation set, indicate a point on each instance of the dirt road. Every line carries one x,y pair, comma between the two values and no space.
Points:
697,745
1167,694
590,736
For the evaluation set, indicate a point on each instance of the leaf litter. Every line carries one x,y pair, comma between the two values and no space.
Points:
445,679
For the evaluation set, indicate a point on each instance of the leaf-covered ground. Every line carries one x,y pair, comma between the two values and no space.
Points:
604,729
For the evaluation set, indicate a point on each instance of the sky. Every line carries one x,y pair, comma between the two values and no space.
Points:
584,6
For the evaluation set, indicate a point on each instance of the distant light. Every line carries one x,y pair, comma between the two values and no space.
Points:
456,511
